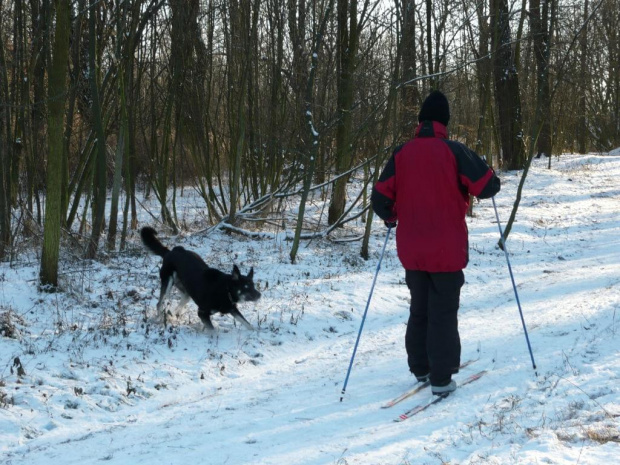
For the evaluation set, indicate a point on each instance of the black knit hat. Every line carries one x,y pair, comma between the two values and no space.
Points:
435,108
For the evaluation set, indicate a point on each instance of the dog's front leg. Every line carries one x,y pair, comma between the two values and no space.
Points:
184,299
240,318
205,317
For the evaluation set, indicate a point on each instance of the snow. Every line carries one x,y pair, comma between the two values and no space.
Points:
103,381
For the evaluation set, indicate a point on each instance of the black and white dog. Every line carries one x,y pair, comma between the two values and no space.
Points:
212,290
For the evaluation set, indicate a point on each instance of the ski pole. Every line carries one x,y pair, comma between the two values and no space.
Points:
514,286
359,334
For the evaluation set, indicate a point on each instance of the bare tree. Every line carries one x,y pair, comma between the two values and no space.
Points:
5,158
539,19
313,136
100,169
410,94
581,129
48,274
350,28
506,79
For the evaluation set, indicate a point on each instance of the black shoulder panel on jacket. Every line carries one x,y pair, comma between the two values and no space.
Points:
469,162
474,168
390,167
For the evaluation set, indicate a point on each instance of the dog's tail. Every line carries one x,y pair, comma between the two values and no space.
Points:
151,242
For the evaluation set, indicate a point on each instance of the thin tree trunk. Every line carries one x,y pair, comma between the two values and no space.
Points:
391,102
410,91
429,41
120,144
99,179
118,171
313,135
5,159
297,17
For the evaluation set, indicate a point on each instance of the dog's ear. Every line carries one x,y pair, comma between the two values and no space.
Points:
251,273
235,273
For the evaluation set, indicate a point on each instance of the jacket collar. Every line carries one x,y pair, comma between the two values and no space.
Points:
431,129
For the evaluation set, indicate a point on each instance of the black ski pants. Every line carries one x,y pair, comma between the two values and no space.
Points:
432,338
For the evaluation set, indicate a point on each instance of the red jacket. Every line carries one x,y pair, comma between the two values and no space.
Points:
425,186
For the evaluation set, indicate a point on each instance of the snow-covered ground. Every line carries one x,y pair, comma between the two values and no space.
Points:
89,376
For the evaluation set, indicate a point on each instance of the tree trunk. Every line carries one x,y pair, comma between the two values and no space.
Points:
347,43
383,134
239,62
507,96
410,92
276,111
429,40
539,20
297,17
5,159
313,136
581,130
122,130
48,274
99,179
483,73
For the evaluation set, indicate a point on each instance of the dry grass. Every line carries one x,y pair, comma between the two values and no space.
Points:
603,435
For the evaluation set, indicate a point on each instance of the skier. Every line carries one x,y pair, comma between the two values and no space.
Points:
425,187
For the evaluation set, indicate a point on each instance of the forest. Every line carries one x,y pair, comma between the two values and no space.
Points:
258,105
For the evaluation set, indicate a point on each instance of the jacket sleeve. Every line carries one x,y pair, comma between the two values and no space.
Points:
474,174
383,197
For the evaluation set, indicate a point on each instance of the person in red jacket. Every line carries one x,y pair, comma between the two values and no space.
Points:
425,188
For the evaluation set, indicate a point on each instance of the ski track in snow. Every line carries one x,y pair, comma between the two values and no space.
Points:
104,385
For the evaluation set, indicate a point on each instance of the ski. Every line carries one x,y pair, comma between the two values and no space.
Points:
420,408
417,389
406,395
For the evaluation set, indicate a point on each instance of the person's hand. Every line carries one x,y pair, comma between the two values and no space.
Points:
390,224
